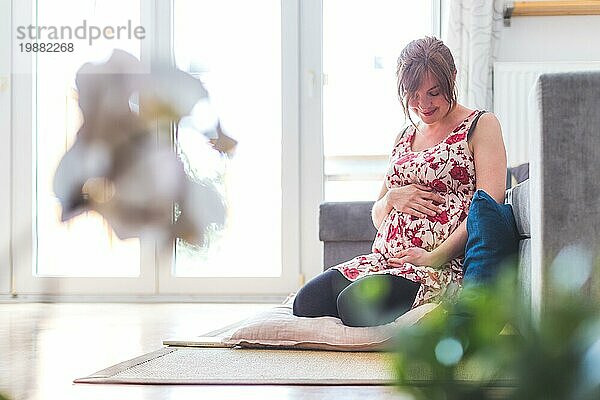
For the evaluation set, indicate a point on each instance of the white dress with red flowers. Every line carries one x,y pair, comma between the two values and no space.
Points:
449,169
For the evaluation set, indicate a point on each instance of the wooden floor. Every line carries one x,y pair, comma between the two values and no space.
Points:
43,347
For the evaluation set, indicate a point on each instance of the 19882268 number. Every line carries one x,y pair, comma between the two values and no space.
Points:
46,47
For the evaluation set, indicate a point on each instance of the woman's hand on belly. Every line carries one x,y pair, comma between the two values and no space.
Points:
415,256
415,199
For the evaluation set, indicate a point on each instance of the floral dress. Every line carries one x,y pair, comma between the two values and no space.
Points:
448,168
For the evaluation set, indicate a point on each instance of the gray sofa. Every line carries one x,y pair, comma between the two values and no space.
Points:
563,189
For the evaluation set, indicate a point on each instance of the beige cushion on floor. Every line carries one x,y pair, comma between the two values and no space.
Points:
280,328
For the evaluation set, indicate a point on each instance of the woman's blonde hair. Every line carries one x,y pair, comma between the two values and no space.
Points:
422,56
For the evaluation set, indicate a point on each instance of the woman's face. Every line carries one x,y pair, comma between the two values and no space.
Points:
428,102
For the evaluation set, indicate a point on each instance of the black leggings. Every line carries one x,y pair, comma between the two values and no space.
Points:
368,301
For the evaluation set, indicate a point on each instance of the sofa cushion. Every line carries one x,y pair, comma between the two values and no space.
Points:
346,221
492,238
518,198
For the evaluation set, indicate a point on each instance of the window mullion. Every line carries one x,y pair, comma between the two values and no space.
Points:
311,134
436,17
157,50
22,153
5,143
290,151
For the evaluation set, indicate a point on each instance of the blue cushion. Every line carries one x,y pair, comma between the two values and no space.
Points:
493,239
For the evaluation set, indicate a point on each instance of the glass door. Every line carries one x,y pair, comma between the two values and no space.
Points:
85,246
82,256
236,48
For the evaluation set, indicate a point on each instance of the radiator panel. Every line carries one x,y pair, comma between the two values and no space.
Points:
513,82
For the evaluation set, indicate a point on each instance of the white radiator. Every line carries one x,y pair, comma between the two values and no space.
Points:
512,83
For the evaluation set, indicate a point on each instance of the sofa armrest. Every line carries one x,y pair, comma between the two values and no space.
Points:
346,221
565,138
346,230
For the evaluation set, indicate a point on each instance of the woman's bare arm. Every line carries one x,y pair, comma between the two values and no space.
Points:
413,199
489,152
381,208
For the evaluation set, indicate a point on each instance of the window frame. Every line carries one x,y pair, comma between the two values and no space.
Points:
289,281
5,144
311,135
23,245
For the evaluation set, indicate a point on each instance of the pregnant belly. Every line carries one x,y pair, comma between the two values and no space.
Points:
401,231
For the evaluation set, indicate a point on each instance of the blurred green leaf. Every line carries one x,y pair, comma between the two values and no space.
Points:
488,339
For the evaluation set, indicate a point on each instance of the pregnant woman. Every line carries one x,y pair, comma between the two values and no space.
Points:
436,164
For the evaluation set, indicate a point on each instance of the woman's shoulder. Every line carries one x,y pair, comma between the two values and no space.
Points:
487,122
487,130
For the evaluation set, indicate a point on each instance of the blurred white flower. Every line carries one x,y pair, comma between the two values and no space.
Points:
117,167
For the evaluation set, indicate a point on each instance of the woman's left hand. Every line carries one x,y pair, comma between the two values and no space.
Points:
415,256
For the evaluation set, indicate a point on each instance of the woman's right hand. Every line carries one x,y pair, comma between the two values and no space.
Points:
414,199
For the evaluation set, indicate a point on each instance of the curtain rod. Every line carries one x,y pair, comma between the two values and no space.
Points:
544,8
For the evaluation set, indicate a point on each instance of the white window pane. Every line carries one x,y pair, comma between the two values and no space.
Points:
86,245
234,47
362,115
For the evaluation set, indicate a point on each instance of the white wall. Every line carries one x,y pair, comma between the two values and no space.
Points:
561,38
